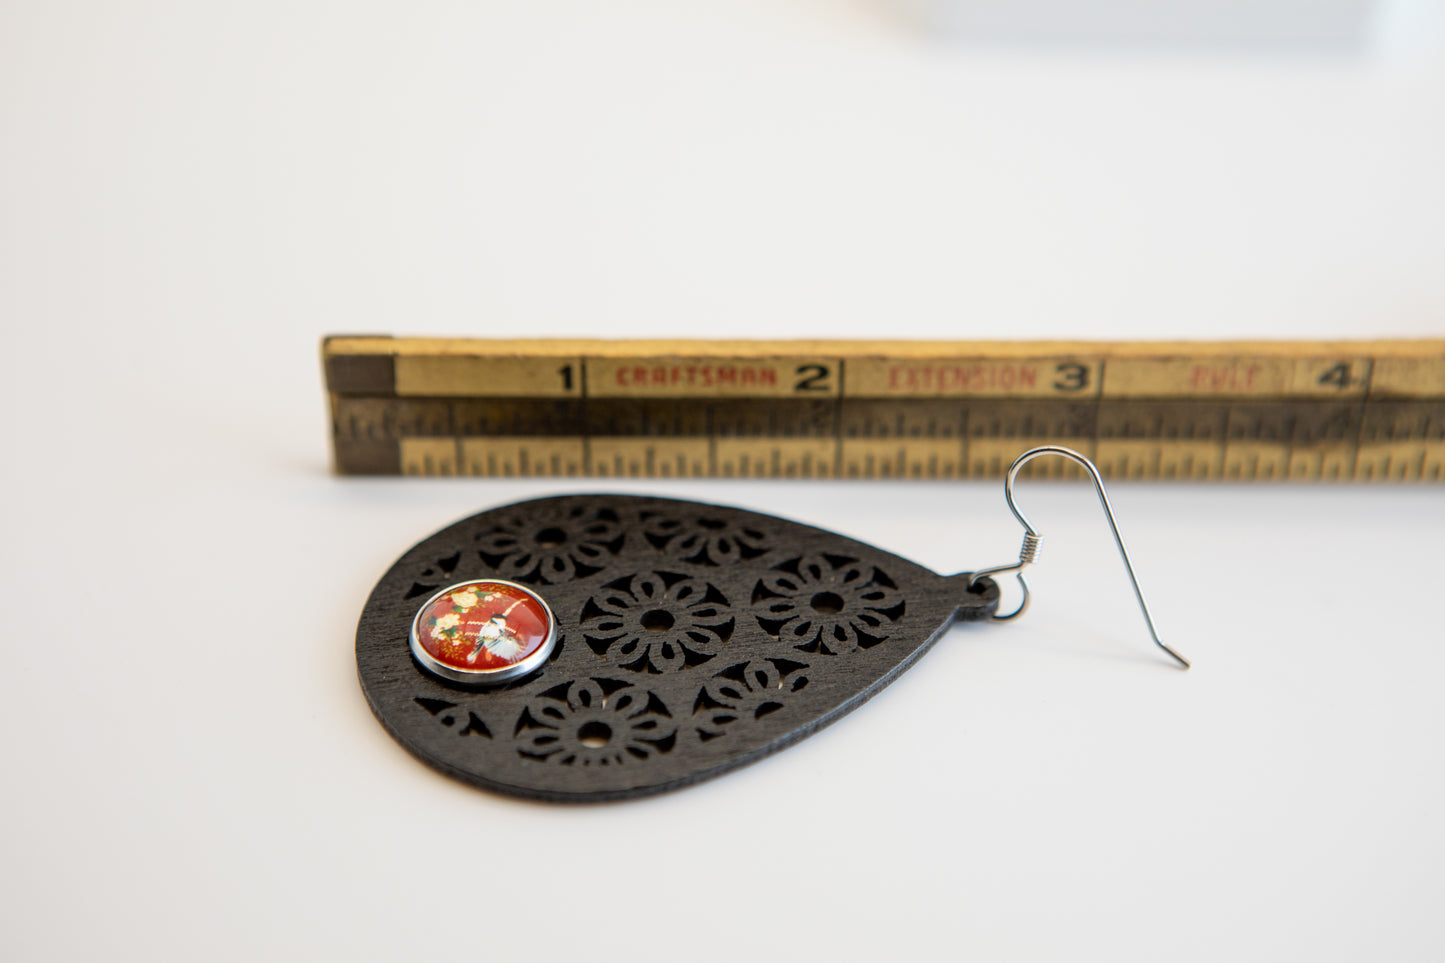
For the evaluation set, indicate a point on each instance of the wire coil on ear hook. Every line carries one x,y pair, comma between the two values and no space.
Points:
1028,552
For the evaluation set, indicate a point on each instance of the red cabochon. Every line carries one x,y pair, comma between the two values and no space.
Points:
482,626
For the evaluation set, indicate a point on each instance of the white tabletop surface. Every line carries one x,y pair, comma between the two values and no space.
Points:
191,195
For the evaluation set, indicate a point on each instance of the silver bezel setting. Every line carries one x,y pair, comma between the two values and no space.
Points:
484,677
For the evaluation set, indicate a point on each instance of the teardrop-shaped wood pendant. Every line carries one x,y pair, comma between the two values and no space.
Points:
687,640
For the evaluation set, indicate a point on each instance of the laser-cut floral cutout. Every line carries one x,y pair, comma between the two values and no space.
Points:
595,722
828,604
462,721
570,542
745,693
657,622
434,576
711,539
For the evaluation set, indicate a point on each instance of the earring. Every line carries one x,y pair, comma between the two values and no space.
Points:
596,647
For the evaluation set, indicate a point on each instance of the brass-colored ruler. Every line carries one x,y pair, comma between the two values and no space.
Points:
1298,411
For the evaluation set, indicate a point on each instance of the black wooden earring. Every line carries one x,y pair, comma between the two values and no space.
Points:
595,647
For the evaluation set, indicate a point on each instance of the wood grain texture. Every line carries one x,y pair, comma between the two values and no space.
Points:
694,639
1260,411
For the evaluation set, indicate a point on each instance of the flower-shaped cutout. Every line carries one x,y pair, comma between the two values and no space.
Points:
657,622
434,576
828,604
748,690
704,539
571,542
595,722
463,722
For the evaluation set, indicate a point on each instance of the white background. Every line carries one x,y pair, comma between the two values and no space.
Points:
194,193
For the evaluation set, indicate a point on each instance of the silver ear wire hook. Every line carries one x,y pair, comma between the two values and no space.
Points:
1030,549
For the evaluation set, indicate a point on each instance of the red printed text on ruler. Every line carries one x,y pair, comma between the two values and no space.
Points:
1230,378
696,376
946,378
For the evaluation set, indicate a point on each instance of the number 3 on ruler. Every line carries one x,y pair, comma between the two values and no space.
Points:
1072,376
